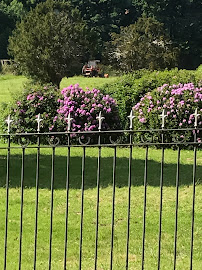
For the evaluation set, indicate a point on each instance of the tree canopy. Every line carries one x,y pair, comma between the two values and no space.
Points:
105,17
11,11
143,45
181,18
51,42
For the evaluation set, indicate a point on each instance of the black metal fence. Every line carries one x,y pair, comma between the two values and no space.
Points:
101,139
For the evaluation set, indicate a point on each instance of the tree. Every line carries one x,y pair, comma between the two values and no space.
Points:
183,20
50,43
5,29
9,13
102,16
105,17
143,45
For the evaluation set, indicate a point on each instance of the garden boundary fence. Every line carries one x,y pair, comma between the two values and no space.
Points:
99,139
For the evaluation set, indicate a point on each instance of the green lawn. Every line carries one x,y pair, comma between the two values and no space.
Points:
86,82
152,217
10,84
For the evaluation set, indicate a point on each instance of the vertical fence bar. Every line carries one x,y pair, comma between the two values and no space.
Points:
22,204
51,213
113,208
98,200
176,206
7,202
37,201
193,203
161,205
67,206
82,207
129,200
145,205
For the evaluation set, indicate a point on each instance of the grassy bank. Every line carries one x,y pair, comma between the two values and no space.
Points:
11,85
137,192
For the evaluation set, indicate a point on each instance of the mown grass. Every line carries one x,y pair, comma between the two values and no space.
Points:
10,85
137,192
86,82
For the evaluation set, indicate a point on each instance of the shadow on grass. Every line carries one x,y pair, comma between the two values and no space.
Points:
154,170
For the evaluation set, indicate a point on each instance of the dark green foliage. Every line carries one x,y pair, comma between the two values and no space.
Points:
129,89
144,44
183,20
105,17
10,13
50,43
6,24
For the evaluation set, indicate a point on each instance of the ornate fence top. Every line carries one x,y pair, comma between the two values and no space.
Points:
131,136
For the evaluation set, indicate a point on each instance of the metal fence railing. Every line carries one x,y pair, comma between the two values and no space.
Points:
101,139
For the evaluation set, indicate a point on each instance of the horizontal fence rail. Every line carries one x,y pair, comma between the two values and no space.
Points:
115,139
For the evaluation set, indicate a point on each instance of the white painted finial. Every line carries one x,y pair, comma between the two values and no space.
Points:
163,116
100,119
69,121
39,119
196,118
9,121
131,117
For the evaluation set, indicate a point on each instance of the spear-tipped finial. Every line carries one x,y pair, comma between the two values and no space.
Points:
9,121
163,116
100,118
131,117
69,121
39,119
196,118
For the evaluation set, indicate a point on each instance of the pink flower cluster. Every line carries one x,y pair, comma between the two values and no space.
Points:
179,102
84,107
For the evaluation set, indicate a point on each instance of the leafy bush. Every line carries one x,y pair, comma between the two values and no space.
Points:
84,107
39,100
179,102
123,92
129,89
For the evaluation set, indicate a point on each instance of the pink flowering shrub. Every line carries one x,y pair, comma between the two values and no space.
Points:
179,102
37,100
84,107
54,107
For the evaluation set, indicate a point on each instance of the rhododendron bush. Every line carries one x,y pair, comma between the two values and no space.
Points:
84,107
178,101
37,100
54,108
